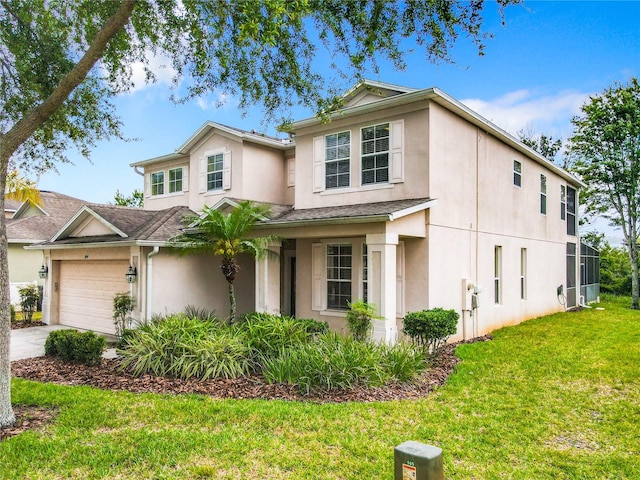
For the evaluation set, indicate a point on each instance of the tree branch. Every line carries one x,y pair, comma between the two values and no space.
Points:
34,119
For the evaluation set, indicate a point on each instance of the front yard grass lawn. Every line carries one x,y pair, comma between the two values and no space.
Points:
553,398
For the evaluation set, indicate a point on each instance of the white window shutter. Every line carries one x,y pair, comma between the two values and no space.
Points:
291,172
318,273
396,175
147,185
185,179
203,174
226,171
318,164
400,276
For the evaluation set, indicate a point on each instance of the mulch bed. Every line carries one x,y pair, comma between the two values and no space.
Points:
108,376
24,324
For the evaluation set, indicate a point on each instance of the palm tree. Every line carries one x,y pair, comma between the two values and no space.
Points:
21,189
226,236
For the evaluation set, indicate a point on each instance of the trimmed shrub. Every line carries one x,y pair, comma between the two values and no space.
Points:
334,362
29,297
430,329
72,346
123,305
185,348
12,312
359,318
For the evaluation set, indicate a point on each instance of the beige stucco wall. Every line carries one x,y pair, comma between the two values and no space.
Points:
415,154
23,268
258,173
197,280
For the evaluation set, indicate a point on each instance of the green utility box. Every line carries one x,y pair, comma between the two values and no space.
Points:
417,461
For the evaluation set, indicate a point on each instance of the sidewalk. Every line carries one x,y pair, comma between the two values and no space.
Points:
29,342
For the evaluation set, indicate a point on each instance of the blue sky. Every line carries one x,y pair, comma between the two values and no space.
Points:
536,73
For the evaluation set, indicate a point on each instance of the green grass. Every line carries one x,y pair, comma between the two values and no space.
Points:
553,398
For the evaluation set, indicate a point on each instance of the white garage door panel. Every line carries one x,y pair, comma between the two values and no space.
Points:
87,289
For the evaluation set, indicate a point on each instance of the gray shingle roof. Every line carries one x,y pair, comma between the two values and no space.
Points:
347,212
57,209
137,224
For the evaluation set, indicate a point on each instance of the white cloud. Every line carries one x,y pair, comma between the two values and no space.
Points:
217,100
529,111
161,68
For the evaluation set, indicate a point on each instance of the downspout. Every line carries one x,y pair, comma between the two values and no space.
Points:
149,278
135,169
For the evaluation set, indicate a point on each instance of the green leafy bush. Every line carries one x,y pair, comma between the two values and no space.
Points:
185,348
123,305
430,329
73,346
359,318
28,301
12,311
314,327
200,313
268,334
334,362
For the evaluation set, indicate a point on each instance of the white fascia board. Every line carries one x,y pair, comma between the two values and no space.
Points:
416,208
25,206
384,217
161,158
72,246
86,212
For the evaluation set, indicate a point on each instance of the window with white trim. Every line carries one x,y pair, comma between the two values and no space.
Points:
157,183
497,275
175,180
375,154
517,173
543,194
339,260
365,273
523,273
571,211
215,164
563,202
337,154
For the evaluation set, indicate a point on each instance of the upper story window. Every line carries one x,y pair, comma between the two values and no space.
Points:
571,211
517,173
563,202
543,194
214,171
175,180
337,148
157,183
375,154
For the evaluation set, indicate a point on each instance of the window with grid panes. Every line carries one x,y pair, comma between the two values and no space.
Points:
175,180
375,154
339,276
157,183
214,171
337,151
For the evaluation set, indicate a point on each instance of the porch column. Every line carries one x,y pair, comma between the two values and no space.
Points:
381,259
47,289
268,281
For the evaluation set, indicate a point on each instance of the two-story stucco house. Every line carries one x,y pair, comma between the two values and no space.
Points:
407,199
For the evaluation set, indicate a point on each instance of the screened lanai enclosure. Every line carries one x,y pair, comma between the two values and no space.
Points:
589,274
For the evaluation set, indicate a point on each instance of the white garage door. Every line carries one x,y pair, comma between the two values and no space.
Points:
87,289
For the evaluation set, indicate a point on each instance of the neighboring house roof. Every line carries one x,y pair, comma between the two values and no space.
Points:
10,206
118,225
32,224
441,98
252,136
367,212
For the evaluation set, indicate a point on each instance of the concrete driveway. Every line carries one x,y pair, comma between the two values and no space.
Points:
29,342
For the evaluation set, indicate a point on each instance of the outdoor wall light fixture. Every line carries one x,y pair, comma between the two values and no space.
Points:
131,274
43,271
